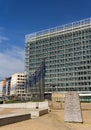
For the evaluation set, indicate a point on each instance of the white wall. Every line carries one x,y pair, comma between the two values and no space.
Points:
26,105
1,87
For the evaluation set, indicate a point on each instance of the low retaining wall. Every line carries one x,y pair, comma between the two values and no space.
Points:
26,105
43,112
56,105
36,109
37,113
13,118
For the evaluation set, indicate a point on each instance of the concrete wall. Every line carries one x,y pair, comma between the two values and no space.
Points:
58,97
43,112
39,112
13,118
26,105
9,119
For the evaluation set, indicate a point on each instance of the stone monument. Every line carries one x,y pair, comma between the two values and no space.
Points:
72,111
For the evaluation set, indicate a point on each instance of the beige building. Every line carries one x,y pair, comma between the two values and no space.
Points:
18,84
1,88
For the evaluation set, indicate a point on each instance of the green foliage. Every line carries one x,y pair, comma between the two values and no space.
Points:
15,101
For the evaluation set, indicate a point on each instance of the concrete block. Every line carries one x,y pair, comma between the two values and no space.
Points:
73,111
13,118
43,112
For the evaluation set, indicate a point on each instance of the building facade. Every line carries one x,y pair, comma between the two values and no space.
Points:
5,87
67,53
8,86
1,88
18,84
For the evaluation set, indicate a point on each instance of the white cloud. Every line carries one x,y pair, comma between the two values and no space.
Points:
11,61
3,38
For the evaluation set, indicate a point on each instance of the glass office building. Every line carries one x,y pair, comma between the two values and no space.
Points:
67,53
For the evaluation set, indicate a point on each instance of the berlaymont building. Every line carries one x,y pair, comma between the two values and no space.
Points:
67,53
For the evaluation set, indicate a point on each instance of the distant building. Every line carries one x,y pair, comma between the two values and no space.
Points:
8,86
1,88
14,86
67,53
18,84
5,86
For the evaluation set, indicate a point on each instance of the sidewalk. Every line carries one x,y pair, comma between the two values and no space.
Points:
52,121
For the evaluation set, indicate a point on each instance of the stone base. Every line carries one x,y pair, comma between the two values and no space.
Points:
72,108
13,118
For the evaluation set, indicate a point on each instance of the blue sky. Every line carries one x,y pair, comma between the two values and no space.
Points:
21,17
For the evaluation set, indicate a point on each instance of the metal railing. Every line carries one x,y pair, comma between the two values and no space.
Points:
66,27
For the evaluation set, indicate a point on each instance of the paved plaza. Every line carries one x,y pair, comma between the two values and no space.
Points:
52,121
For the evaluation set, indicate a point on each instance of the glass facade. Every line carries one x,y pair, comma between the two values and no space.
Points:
67,53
